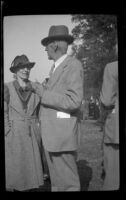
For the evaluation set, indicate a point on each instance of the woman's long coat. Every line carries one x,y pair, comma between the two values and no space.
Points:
23,144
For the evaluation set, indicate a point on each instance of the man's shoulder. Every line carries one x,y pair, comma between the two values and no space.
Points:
75,62
74,59
112,65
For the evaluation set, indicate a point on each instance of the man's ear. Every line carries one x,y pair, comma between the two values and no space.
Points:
55,46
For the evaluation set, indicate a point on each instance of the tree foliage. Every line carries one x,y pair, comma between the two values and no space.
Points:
98,36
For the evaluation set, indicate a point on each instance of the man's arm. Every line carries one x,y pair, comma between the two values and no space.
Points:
72,97
108,92
38,88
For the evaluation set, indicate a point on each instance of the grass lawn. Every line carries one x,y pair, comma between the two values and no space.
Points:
90,156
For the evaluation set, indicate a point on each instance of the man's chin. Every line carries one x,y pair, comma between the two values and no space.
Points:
49,58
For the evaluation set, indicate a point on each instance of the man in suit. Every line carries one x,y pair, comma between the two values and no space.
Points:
61,99
109,99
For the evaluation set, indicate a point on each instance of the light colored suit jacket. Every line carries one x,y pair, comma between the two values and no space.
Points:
109,96
60,101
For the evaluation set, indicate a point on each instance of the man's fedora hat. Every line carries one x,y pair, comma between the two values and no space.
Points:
59,32
21,62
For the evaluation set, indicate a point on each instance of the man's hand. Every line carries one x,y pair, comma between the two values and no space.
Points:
38,89
44,83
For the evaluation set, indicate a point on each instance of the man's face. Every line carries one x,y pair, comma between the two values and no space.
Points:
50,51
23,73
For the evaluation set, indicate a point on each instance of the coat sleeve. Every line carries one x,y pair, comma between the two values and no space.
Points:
6,94
6,119
108,92
38,89
71,99
6,110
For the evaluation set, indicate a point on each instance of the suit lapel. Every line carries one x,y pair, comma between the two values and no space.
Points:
58,72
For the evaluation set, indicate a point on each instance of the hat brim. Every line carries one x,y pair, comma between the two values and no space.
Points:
28,65
69,39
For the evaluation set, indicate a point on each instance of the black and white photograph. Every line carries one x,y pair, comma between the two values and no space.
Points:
61,102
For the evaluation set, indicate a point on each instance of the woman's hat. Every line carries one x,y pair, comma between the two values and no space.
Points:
21,62
59,32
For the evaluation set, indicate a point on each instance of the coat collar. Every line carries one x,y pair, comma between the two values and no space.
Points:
17,105
59,61
58,72
20,91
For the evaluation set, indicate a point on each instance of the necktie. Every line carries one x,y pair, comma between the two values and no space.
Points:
51,71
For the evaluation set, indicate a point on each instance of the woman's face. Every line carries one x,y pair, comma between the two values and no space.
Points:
23,73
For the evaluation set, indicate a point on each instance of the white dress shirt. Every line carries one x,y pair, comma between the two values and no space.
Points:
59,61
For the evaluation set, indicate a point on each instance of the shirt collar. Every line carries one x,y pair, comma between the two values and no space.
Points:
60,60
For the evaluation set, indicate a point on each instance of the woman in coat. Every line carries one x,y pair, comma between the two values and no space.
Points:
23,158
